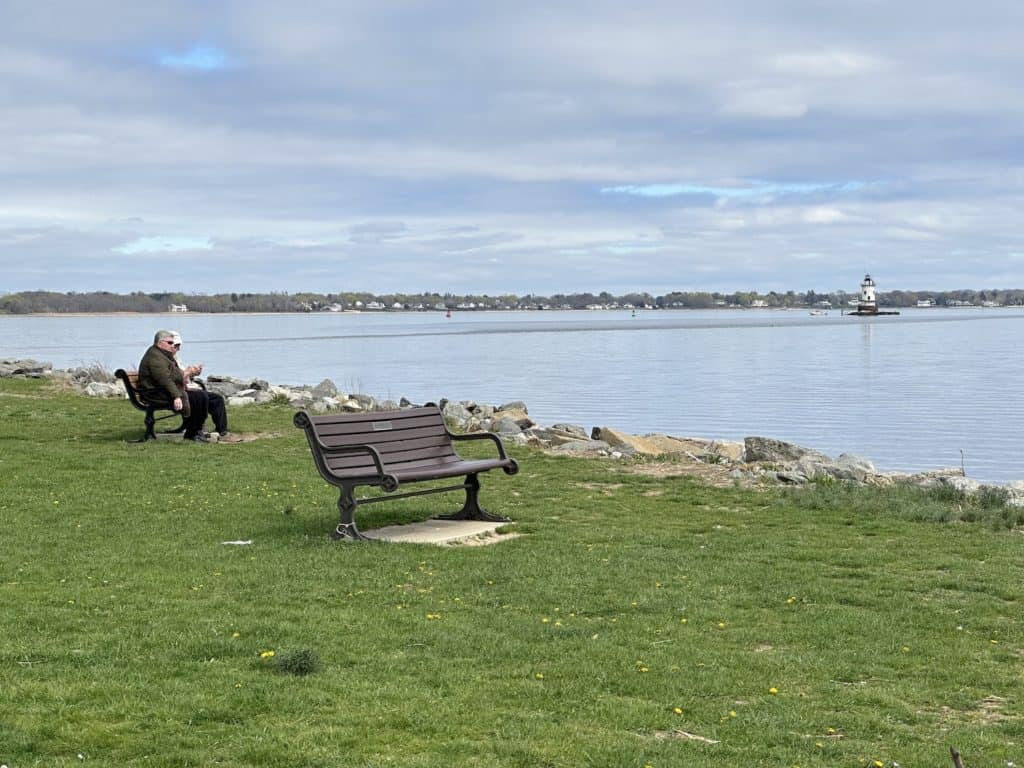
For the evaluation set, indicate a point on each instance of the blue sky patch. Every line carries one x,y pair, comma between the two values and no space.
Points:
204,58
165,245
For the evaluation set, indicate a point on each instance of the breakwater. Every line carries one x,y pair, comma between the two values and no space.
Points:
756,460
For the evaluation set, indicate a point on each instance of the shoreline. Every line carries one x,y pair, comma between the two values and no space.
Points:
755,460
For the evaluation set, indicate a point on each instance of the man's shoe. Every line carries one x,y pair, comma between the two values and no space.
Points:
199,437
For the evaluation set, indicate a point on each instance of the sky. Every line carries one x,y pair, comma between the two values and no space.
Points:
528,147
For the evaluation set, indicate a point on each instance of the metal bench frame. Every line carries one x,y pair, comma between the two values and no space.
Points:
130,380
385,449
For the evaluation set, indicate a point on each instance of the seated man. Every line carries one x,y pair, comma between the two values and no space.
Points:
216,406
162,382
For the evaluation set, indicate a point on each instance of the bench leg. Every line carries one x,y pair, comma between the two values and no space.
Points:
472,510
150,424
346,528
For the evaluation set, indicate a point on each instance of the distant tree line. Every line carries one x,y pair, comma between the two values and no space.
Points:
103,301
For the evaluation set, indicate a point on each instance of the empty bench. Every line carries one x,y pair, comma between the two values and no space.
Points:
390,449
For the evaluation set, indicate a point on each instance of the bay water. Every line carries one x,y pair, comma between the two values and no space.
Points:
926,389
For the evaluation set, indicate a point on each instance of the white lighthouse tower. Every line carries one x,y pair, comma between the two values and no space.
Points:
868,303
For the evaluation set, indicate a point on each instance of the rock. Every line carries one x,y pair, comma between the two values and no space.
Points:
571,430
31,369
647,445
366,402
325,388
965,485
768,449
387,405
259,384
515,405
851,467
727,449
506,426
103,389
222,387
351,406
457,413
236,401
791,478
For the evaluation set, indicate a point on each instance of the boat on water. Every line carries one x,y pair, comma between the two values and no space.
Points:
819,312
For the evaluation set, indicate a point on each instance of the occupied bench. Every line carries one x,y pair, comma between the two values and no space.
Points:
130,379
385,449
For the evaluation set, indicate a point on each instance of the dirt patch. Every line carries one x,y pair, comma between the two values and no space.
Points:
248,437
717,475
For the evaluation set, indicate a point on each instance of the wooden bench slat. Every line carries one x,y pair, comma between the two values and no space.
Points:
366,429
364,463
383,438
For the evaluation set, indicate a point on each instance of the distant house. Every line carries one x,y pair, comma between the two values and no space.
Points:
179,308
925,303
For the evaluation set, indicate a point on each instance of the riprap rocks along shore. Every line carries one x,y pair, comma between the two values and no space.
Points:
757,460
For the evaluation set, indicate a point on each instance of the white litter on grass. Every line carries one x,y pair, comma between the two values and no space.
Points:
238,542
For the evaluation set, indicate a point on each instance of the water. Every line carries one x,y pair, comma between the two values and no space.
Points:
928,389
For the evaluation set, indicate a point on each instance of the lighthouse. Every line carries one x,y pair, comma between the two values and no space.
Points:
868,303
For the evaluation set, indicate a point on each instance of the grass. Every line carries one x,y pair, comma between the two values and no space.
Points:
641,621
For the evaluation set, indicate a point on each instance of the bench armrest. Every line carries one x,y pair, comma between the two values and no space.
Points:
481,436
341,450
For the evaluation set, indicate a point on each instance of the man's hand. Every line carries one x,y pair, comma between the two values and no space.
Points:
177,403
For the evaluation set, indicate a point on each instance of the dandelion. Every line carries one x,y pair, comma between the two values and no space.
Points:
773,690
545,620
558,623
267,655
539,675
432,616
721,625
878,764
236,634
790,600
682,620
678,710
994,642
732,713
905,649
644,669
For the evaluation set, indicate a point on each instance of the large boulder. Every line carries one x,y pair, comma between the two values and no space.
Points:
647,445
771,450
325,388
31,369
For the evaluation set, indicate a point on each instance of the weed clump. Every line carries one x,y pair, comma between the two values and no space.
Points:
299,662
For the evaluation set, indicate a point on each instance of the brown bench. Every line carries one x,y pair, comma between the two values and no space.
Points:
387,449
130,379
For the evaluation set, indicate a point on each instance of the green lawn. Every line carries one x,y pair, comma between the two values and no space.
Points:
639,621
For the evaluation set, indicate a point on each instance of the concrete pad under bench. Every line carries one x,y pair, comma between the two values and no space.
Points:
441,532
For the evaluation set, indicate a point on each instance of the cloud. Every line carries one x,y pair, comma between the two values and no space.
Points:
530,148
763,190
161,244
